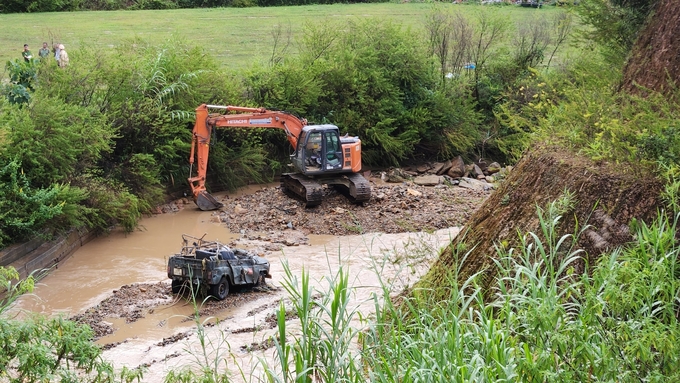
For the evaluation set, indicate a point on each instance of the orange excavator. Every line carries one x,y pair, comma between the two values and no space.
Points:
322,156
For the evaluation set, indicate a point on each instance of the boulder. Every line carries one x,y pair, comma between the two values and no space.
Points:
457,169
428,180
493,168
502,173
445,168
477,171
482,164
414,192
450,181
436,168
394,176
473,184
240,210
469,169
423,168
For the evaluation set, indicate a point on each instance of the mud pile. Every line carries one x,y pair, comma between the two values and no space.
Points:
393,208
133,302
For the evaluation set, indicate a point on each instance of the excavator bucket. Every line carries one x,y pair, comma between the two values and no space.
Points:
207,202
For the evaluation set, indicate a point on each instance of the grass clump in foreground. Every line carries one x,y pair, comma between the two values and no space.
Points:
618,321
42,349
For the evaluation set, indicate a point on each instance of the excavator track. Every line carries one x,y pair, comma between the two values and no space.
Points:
359,188
355,187
303,188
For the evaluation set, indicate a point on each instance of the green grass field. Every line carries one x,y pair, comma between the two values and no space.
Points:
236,36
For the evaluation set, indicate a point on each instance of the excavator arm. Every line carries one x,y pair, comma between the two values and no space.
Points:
243,118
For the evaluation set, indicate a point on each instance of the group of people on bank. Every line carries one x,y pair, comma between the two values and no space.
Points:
59,51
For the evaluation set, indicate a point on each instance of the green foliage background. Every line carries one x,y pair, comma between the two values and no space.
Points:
115,126
14,6
108,137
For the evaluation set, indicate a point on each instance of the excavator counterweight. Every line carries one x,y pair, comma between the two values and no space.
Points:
321,157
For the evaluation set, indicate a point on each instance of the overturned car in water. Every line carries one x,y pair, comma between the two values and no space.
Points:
210,268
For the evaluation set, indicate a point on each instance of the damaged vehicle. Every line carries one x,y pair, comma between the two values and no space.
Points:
210,268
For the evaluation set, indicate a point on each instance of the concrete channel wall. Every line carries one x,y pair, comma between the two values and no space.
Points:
38,256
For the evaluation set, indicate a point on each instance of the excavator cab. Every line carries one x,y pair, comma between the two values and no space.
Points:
319,150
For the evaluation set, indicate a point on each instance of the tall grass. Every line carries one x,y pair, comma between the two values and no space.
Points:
542,321
325,349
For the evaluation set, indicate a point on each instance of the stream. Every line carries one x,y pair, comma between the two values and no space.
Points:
110,261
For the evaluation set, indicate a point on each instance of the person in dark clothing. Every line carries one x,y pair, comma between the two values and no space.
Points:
26,54
44,51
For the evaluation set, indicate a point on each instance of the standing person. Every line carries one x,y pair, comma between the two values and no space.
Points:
56,51
63,57
44,51
26,54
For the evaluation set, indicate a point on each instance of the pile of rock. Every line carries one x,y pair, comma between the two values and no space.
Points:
479,175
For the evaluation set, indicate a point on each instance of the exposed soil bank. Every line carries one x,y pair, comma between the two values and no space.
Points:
654,63
607,197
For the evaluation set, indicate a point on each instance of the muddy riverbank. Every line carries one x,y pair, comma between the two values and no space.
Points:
118,283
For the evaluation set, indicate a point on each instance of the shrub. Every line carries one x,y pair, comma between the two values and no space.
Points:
613,24
27,211
372,80
14,6
55,141
113,202
603,124
54,349
22,76
235,162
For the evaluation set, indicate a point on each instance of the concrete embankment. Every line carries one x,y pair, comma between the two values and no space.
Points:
38,256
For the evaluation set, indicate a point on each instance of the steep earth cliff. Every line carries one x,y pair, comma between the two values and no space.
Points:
654,62
608,197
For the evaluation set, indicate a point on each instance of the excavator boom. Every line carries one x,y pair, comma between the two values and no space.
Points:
321,155
247,117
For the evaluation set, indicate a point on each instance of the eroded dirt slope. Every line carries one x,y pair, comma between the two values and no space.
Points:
607,198
655,59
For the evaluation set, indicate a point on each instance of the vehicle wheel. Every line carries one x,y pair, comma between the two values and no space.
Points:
220,290
260,281
177,286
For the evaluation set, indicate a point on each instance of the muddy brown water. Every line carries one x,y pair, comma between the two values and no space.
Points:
109,262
